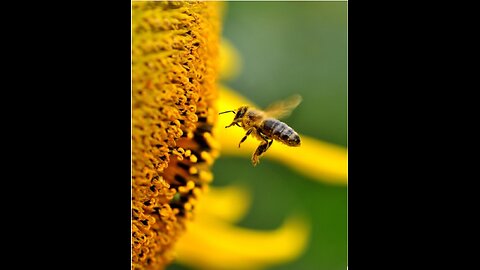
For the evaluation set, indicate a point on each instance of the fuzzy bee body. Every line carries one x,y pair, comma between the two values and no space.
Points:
265,126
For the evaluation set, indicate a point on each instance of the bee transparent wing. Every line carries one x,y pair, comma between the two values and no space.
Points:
283,108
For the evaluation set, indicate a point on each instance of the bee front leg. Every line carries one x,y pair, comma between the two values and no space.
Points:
233,124
245,137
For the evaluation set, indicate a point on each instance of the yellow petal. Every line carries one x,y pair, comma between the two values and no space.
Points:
227,203
320,160
214,244
230,61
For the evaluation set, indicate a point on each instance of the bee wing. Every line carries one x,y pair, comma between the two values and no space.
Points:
283,108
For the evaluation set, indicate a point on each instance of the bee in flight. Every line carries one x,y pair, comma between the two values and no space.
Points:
265,126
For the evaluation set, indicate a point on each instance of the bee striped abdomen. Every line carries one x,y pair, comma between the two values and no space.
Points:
280,131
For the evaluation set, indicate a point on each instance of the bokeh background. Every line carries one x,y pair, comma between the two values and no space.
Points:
286,48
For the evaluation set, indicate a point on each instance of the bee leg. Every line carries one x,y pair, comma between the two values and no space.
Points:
266,140
245,137
270,143
233,124
260,150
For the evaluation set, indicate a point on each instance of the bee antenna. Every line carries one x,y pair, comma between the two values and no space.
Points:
227,112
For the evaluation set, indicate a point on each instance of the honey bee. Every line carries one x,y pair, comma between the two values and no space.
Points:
265,126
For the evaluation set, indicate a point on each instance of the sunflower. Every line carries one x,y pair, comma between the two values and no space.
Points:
176,138
174,67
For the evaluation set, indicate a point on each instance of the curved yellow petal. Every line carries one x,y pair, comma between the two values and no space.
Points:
320,160
214,244
227,203
230,61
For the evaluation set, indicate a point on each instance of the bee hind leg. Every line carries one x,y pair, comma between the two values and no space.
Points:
270,143
261,149
245,137
266,140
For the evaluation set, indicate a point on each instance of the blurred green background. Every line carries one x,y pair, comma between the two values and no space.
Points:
286,48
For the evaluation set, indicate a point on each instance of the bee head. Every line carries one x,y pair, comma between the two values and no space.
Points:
241,112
